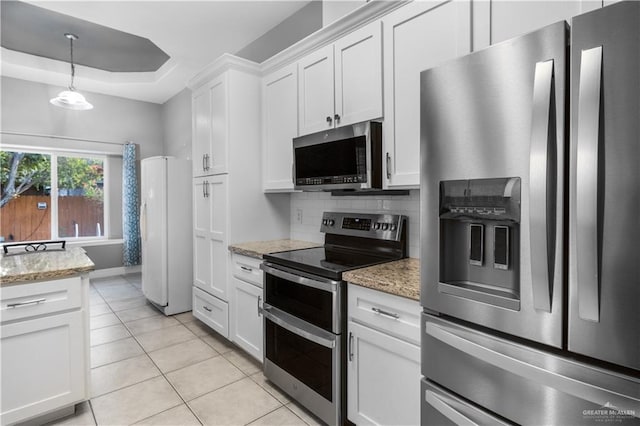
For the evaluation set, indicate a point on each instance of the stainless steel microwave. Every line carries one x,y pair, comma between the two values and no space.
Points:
348,157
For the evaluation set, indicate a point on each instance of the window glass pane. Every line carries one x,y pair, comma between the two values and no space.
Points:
25,203
80,197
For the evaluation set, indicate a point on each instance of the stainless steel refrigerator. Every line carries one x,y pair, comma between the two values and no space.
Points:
530,228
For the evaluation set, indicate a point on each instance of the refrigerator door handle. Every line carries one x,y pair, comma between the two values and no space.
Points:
542,182
585,215
509,358
143,221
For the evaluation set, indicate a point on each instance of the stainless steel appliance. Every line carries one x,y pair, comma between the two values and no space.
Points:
304,307
529,226
348,157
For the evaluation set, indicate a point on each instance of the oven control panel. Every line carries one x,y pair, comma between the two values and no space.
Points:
378,226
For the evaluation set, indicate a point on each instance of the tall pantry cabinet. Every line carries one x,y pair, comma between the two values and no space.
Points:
229,204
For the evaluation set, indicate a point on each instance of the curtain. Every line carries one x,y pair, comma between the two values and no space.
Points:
130,212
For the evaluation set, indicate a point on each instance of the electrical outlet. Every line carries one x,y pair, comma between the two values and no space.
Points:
299,215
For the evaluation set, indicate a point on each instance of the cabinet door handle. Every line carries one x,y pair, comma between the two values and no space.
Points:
204,161
350,350
337,117
26,302
259,300
385,313
329,119
206,308
388,166
244,268
207,163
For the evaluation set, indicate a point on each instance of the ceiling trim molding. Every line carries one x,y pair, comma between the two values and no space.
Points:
361,16
224,63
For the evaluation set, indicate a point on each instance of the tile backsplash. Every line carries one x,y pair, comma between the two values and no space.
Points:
307,209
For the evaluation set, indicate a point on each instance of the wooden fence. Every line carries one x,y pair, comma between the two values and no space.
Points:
21,220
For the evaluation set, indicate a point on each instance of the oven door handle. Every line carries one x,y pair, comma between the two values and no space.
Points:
328,285
297,326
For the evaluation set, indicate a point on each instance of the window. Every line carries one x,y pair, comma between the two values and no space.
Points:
51,195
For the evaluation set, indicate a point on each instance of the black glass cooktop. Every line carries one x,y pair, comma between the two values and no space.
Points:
329,262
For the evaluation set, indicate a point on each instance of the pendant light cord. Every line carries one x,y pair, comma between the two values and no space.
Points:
73,67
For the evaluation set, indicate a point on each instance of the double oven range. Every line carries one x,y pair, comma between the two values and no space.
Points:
304,307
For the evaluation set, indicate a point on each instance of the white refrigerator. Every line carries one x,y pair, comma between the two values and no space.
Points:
166,233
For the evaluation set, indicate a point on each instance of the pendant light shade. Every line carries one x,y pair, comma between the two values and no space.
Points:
70,99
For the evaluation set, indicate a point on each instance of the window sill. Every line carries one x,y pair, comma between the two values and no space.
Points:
90,243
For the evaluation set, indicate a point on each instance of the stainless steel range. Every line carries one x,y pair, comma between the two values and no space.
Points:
305,307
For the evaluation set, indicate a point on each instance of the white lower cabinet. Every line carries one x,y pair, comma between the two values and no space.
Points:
383,367
246,320
44,348
211,311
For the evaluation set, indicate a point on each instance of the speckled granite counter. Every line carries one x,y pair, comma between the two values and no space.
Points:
401,278
259,248
43,265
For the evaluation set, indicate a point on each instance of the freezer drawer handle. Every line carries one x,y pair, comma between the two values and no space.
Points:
27,302
542,182
385,313
586,211
519,366
446,410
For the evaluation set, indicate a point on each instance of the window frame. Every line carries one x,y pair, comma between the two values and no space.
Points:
54,193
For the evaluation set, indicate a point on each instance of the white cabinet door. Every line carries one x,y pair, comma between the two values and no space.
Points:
383,378
201,237
246,321
417,37
316,99
43,365
280,126
358,75
219,126
513,18
201,104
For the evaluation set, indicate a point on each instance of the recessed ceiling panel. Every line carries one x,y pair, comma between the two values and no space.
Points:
38,31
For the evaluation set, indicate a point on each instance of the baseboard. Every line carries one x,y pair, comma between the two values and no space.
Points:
112,272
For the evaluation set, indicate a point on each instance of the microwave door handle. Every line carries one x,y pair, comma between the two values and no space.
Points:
585,213
542,181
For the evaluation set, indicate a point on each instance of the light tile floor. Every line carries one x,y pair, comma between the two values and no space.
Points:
149,369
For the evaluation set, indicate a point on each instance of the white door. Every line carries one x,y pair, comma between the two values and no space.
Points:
417,37
316,101
154,229
201,104
280,126
358,75
201,240
43,365
246,320
219,126
383,378
218,203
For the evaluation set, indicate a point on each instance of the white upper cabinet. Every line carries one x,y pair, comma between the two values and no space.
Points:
417,37
513,18
210,140
341,84
280,126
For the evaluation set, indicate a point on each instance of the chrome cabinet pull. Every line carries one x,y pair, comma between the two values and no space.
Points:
27,302
244,268
204,161
388,166
586,209
336,117
385,313
259,300
541,154
350,346
329,119
206,308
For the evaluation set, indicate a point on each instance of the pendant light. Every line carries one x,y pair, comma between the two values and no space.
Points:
70,99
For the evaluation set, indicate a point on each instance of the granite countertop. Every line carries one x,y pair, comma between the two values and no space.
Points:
401,277
259,248
43,265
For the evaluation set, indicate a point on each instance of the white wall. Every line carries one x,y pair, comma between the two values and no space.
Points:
313,204
176,122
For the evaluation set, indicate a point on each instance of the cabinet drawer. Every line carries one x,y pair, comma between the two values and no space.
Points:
391,314
35,299
247,268
211,311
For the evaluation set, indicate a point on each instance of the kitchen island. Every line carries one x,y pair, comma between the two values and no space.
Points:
44,329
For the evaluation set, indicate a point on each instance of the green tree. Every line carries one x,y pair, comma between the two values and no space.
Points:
81,173
20,171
